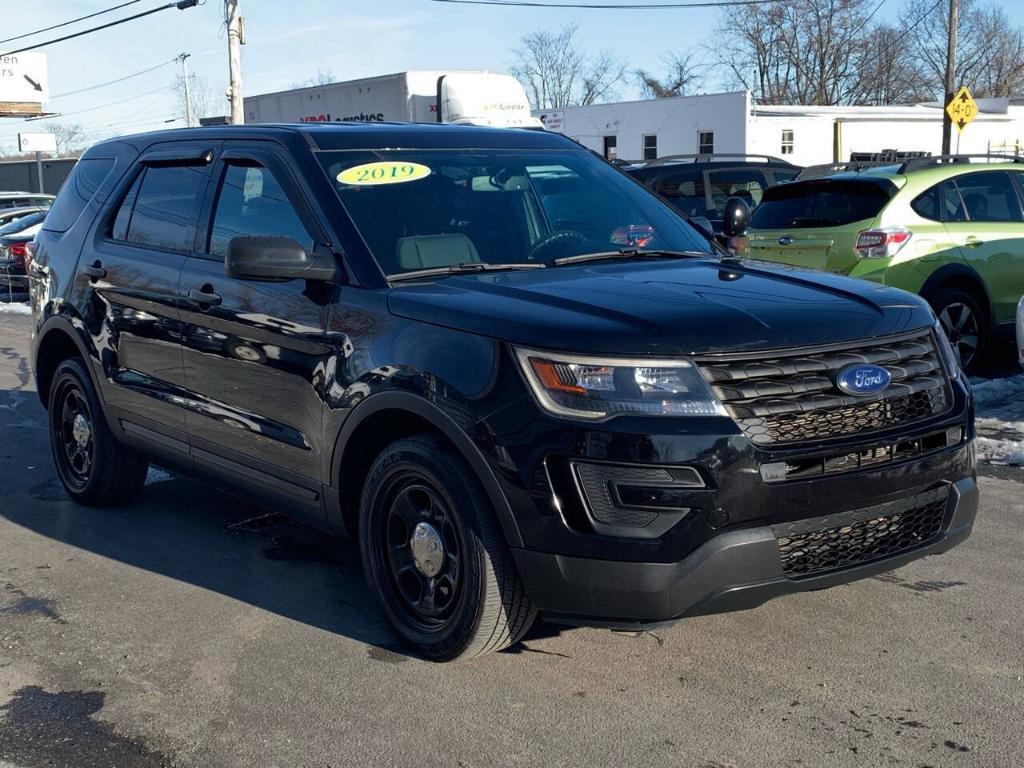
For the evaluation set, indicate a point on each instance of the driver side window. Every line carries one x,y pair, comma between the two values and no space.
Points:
252,202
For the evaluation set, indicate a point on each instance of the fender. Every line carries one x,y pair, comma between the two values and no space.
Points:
949,272
406,401
62,323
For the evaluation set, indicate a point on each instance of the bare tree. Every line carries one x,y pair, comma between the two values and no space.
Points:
990,51
798,52
71,137
556,73
322,77
684,74
205,101
885,74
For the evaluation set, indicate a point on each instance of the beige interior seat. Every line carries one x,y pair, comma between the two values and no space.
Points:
428,251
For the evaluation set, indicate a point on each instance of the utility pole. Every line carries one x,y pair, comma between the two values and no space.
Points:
189,118
947,121
236,39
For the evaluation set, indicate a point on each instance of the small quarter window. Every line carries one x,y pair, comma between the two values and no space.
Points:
78,191
787,141
705,142
651,147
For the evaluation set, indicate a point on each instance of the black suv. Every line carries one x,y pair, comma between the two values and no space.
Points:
521,381
700,185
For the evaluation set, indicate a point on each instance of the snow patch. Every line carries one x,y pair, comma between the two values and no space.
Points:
15,309
157,475
999,419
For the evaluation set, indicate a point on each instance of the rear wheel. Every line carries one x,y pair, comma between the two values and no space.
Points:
964,322
434,556
94,468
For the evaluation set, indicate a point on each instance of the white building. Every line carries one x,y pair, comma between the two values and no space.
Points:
734,123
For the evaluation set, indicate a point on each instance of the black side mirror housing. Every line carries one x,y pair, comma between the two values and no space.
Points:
736,218
277,259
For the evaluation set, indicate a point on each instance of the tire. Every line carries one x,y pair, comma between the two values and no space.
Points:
462,601
965,323
94,468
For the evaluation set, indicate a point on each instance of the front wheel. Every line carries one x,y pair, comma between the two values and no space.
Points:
965,325
434,556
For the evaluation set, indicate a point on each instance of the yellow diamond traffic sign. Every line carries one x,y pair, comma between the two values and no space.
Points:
962,108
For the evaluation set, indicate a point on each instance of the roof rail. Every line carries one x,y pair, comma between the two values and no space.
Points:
917,163
827,169
711,157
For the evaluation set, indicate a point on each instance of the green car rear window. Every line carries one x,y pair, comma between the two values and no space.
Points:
820,203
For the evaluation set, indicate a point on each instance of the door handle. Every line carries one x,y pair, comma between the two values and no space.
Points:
95,271
204,297
973,242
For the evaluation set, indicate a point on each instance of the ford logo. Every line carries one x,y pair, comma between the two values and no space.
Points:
863,379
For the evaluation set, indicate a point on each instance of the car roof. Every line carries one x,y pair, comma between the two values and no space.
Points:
919,169
376,135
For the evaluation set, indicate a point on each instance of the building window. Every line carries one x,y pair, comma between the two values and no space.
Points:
651,147
611,145
787,141
705,142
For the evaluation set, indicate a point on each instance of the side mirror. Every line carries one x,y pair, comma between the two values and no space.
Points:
276,258
736,218
703,224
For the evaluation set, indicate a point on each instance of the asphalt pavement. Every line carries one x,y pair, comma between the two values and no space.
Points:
195,629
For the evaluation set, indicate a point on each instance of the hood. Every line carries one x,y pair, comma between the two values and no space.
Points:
663,307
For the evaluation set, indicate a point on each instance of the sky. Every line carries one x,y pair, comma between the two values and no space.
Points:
288,41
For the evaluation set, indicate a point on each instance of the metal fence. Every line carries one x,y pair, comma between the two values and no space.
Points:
22,176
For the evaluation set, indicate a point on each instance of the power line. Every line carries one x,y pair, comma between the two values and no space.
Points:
68,23
180,5
611,6
114,103
112,82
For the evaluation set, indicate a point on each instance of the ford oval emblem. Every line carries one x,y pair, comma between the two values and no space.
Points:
864,379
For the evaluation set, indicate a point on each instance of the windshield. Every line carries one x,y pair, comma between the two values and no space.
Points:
424,209
819,203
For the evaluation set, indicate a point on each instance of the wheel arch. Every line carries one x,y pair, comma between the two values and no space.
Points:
963,277
57,341
388,416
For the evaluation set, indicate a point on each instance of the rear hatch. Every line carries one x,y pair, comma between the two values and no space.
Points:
814,223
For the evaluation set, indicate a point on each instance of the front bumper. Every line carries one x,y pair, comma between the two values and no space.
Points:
735,570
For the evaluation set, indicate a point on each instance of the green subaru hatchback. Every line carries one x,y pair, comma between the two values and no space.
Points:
949,229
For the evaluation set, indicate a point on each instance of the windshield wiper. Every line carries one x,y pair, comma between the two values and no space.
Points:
456,269
633,253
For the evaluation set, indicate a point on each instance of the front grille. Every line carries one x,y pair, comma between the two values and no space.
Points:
862,535
791,396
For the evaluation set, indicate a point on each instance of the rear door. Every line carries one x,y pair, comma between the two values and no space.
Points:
254,351
814,223
991,239
129,274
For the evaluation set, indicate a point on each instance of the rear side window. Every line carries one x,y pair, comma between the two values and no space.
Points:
251,202
940,203
685,190
77,192
989,196
819,203
160,209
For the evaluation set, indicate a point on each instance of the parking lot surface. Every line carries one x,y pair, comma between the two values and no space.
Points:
194,629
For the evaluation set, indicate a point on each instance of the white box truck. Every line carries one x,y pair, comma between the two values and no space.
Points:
479,98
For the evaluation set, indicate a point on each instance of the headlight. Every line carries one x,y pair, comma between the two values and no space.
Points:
946,351
599,388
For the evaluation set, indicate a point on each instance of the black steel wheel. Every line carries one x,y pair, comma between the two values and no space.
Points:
94,468
434,555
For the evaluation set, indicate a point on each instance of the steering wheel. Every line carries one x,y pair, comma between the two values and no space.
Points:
558,237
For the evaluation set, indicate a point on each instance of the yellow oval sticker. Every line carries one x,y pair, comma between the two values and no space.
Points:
386,172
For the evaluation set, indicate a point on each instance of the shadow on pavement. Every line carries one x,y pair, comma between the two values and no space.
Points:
189,531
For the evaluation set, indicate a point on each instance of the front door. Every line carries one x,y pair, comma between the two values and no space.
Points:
130,270
254,352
